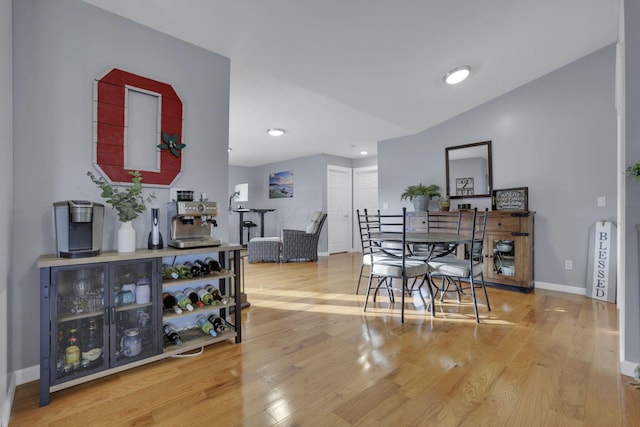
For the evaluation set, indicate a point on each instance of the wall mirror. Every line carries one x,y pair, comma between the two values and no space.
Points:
469,170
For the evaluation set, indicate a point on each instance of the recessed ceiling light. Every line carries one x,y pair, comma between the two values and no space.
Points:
457,75
275,132
363,153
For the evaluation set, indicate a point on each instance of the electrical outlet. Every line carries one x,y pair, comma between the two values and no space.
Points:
385,205
568,264
602,202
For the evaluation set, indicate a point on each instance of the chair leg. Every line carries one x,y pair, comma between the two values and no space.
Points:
475,302
486,296
366,298
359,278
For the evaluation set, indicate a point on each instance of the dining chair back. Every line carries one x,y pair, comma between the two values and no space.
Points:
453,271
395,263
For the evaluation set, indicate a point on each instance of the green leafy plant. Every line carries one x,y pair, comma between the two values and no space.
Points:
413,191
129,203
634,171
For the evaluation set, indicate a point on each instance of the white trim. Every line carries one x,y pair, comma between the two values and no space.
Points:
27,375
627,368
561,288
5,412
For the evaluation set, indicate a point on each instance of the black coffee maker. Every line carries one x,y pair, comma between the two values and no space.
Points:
79,225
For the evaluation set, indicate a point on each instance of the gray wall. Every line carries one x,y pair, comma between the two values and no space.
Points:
59,49
6,194
555,135
309,195
632,197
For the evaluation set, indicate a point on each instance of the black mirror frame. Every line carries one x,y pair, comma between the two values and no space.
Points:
489,169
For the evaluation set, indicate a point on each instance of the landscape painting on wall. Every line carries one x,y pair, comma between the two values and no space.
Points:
280,185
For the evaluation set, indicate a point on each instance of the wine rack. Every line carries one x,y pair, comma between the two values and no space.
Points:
108,312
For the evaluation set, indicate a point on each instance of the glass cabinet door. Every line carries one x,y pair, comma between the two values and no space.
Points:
504,257
135,319
78,333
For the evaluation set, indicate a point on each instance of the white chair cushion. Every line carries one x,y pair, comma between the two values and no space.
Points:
366,259
393,268
312,228
455,267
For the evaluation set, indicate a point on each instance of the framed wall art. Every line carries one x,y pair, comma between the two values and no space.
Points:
510,199
280,185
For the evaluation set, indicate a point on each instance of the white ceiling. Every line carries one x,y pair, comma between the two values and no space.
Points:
340,75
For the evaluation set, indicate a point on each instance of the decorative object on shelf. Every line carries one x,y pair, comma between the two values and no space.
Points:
512,199
634,171
170,142
420,195
129,205
444,203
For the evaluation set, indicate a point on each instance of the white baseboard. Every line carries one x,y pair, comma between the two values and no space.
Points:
27,375
561,288
627,368
8,403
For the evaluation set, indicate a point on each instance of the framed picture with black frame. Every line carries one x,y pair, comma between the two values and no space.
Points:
510,199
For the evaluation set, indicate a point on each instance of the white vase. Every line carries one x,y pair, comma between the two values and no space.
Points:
126,237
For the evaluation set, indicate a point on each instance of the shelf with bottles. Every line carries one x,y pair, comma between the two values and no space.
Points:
193,270
184,334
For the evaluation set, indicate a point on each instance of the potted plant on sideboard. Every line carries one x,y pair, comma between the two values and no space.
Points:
129,204
420,195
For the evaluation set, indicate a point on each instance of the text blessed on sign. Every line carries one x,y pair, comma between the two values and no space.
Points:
601,282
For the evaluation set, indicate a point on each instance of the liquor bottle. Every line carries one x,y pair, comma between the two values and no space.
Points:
204,296
170,302
92,347
195,269
193,296
205,325
204,267
184,272
219,325
171,333
169,272
213,264
183,301
72,352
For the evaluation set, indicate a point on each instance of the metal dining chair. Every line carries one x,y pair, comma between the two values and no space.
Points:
400,268
452,270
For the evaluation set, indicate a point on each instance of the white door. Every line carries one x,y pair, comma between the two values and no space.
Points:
365,195
339,208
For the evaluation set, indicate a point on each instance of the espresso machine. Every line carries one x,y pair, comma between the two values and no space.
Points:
79,225
191,224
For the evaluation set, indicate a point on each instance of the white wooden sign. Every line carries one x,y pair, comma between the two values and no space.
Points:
601,276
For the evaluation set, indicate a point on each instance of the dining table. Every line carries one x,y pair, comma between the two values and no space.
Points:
430,239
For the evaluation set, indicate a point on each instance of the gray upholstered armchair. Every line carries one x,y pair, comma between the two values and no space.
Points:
303,244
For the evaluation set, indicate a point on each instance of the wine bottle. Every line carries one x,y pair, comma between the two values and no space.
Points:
169,272
219,324
213,264
204,267
172,334
204,296
195,269
193,296
183,301
92,347
205,325
170,302
184,272
215,293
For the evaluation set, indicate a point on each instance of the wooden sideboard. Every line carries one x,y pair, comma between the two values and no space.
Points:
508,246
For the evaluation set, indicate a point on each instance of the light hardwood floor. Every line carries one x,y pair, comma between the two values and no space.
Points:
311,357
